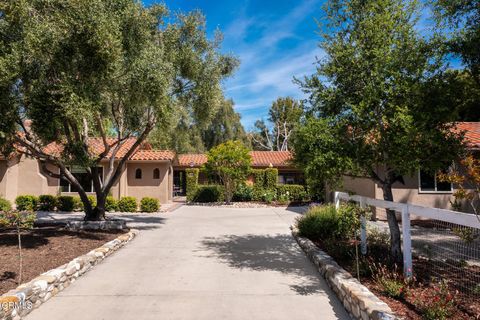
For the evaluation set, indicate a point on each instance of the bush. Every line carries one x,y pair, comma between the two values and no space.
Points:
111,205
127,204
243,193
292,192
258,178
192,182
210,193
391,283
325,222
77,204
271,178
148,204
47,202
65,203
5,205
26,203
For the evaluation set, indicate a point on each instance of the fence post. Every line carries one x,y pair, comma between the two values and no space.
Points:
363,228
407,242
337,200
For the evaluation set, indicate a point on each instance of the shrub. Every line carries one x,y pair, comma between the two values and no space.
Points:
5,205
391,283
348,222
319,223
292,192
269,195
93,201
436,303
111,205
127,204
243,193
209,193
65,203
47,202
148,204
192,182
258,178
26,203
77,203
271,178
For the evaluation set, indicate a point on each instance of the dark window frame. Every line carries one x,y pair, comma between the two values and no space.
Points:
138,174
434,184
156,174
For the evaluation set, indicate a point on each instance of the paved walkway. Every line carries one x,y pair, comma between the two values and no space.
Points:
202,263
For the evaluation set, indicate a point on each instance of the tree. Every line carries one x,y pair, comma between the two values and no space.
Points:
70,70
463,18
284,115
230,161
368,114
184,135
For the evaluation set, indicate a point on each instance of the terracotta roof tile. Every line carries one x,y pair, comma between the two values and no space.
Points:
259,159
151,155
472,132
96,147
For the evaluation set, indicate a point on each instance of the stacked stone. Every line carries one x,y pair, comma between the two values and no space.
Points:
32,294
360,302
97,225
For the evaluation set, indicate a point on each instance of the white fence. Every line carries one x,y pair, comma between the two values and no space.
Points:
458,218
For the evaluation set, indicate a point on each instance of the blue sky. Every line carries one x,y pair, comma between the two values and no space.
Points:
275,40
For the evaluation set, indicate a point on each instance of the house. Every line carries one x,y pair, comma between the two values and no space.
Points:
423,188
148,172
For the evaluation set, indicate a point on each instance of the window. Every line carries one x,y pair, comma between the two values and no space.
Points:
429,183
156,173
138,174
82,177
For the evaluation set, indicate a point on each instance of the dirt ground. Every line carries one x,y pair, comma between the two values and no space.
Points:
43,249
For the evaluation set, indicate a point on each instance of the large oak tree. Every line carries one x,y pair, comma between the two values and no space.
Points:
82,69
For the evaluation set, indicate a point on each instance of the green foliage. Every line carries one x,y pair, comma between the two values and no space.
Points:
258,178
192,182
148,204
284,116
230,161
127,204
47,202
326,223
243,193
111,204
269,195
436,303
209,193
392,283
65,203
292,192
5,205
26,203
77,203
17,220
271,178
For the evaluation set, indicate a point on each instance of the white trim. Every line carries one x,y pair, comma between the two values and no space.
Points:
420,191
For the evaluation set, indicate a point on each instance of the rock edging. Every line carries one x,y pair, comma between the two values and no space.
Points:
360,302
17,303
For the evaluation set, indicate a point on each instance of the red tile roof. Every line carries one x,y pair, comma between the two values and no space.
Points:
152,155
192,160
96,147
472,132
259,159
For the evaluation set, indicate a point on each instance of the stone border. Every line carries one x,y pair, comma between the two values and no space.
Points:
360,302
31,295
114,224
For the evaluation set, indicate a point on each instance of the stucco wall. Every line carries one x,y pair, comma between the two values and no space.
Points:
3,180
147,186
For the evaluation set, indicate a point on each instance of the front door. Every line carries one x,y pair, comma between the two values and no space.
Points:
179,184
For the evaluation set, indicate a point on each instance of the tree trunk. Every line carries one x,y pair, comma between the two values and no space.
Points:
20,256
395,235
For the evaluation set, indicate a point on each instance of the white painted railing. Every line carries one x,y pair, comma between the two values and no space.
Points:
406,209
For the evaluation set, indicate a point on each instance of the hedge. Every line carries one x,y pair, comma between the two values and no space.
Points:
127,204
148,204
111,205
258,178
192,182
243,193
209,193
26,203
271,177
65,203
47,202
292,192
5,205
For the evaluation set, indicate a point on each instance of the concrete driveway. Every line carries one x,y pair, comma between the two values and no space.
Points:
202,263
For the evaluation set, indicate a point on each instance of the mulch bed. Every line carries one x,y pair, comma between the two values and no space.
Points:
467,305
44,248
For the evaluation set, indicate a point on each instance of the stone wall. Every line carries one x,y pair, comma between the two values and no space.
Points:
360,302
31,295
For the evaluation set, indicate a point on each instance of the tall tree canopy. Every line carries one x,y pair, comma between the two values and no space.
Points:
367,101
185,135
283,116
75,68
